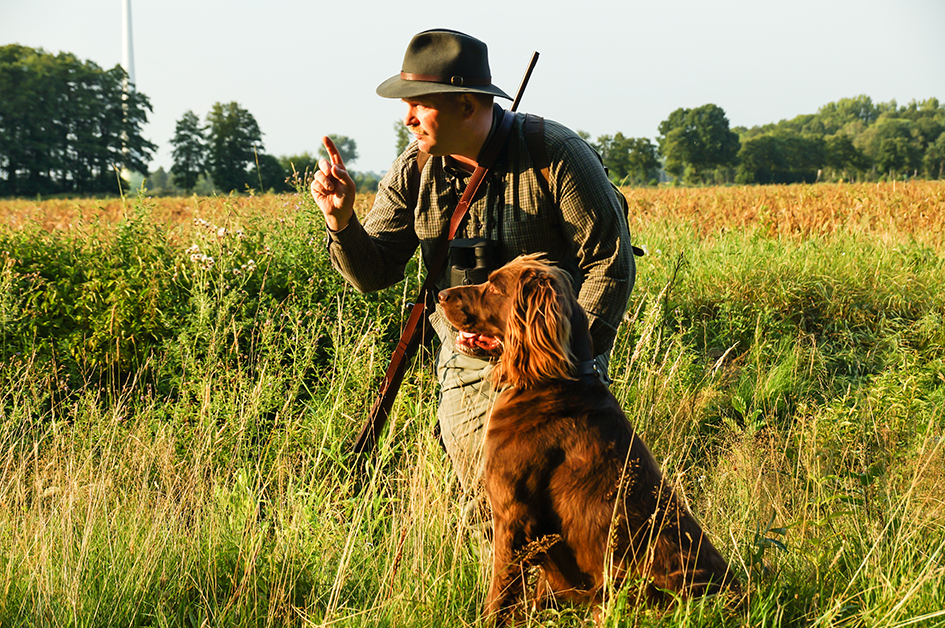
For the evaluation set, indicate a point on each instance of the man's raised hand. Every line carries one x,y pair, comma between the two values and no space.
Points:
333,189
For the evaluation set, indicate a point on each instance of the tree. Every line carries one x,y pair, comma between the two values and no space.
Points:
306,162
892,145
403,136
160,182
781,157
189,151
271,175
628,158
844,157
643,163
934,159
698,138
233,141
67,125
347,148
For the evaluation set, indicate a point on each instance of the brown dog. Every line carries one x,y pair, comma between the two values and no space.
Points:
573,489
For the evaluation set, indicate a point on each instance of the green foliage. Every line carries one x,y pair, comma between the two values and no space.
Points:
66,126
272,176
698,139
366,181
304,163
793,391
233,141
102,305
347,148
403,136
781,158
629,160
865,140
189,151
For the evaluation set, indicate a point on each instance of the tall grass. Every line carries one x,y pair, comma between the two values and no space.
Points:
198,474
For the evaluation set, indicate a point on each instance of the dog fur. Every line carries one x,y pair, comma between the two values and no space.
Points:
573,489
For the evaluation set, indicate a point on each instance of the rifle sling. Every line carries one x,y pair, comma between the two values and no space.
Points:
416,323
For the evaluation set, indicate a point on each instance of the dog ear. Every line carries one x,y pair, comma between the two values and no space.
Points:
538,333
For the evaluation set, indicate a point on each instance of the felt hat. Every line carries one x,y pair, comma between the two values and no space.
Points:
442,61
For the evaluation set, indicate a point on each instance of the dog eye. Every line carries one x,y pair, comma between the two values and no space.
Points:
490,287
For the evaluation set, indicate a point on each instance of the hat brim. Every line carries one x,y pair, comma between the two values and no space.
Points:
396,87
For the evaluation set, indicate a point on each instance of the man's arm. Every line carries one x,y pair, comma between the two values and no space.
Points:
594,223
373,256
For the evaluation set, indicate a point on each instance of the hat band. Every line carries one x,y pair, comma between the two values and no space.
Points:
458,81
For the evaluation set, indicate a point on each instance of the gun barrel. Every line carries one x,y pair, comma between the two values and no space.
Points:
521,88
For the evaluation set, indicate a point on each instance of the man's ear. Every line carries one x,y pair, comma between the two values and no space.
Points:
468,105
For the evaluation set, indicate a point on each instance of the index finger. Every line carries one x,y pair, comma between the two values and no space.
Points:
332,151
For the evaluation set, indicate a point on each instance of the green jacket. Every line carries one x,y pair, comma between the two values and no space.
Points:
580,225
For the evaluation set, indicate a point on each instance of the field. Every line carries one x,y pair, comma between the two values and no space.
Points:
181,380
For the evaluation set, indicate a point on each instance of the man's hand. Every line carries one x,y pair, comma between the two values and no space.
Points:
333,189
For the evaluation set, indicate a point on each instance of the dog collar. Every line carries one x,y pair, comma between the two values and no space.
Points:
587,367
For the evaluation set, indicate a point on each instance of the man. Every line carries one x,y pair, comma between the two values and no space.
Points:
573,216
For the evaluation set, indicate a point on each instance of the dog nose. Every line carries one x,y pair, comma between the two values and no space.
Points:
444,296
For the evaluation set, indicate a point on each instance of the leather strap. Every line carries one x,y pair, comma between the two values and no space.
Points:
458,81
412,334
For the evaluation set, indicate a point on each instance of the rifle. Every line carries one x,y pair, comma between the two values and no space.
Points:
417,328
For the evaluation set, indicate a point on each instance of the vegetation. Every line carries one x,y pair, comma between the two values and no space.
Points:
852,138
629,160
695,141
190,148
233,142
181,380
67,126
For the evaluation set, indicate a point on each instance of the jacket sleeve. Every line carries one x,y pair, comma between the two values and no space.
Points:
372,256
594,222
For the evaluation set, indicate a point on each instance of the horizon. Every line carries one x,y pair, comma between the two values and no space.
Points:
297,94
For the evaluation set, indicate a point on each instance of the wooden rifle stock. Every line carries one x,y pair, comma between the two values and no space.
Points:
417,325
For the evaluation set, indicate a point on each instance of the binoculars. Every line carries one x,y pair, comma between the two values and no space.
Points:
471,260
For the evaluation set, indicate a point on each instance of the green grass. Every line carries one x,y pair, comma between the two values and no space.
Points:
174,436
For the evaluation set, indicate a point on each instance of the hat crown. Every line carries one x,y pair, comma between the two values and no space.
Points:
446,54
442,61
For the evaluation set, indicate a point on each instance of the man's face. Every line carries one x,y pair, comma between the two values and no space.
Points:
436,121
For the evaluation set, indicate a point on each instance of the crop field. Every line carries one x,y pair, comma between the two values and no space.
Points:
181,380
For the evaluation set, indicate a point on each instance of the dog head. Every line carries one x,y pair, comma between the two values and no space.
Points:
522,315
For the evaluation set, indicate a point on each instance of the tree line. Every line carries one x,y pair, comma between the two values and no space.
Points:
225,154
851,139
70,127
67,126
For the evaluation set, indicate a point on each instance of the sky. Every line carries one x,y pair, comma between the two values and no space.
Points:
308,69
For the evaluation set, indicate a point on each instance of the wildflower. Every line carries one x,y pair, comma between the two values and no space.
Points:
221,232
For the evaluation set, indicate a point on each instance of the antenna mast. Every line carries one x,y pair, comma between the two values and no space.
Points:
127,52
128,63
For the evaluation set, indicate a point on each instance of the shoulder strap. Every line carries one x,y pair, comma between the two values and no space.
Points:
413,332
535,141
